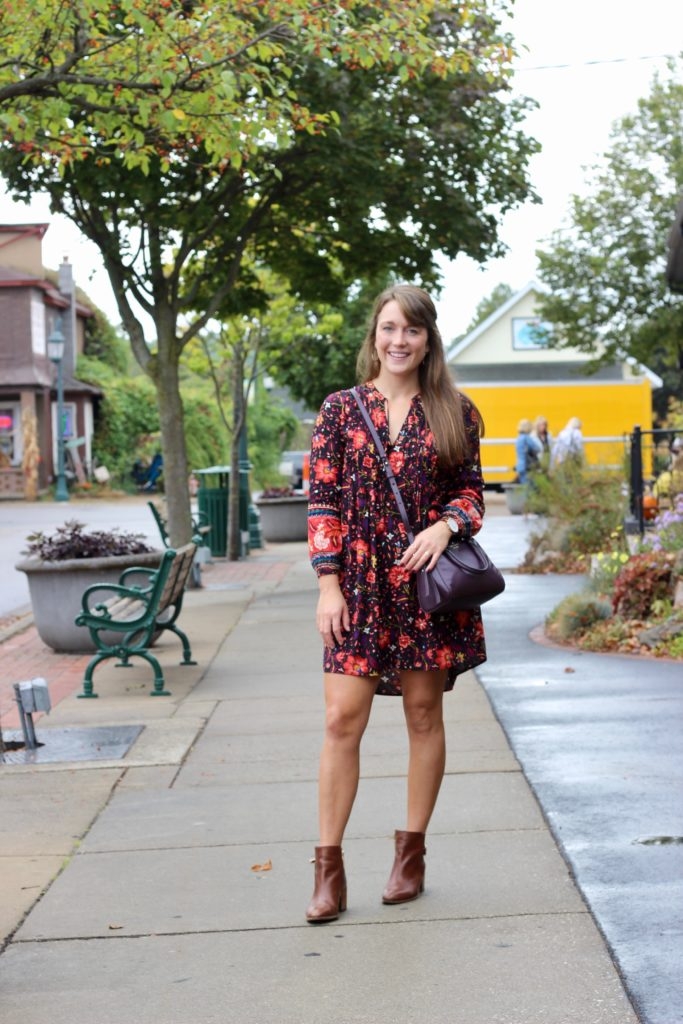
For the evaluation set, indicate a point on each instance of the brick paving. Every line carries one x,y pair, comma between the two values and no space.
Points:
23,655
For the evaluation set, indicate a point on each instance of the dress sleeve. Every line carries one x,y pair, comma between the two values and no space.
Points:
464,487
324,503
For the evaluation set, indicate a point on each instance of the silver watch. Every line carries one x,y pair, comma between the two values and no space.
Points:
453,525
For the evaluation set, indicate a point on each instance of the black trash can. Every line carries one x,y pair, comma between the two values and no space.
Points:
212,500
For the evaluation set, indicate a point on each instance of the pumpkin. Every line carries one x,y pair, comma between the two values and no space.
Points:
650,506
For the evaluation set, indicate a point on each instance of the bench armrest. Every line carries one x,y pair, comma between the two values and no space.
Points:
147,577
105,593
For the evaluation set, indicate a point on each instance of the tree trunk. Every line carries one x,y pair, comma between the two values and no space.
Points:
176,472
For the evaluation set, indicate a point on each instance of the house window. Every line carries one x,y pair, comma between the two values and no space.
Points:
10,434
38,335
529,332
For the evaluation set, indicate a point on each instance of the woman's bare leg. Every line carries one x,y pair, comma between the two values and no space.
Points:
348,701
423,709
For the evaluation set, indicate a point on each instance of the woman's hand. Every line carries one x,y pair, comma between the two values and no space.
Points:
424,552
332,615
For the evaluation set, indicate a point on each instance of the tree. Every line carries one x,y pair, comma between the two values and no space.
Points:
327,141
605,272
490,304
323,359
245,349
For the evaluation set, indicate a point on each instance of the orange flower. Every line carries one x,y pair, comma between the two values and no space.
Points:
325,471
355,666
444,657
398,575
397,461
359,439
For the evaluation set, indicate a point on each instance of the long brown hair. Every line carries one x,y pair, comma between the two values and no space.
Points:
440,397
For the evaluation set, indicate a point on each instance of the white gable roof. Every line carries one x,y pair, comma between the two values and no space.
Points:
532,288
496,332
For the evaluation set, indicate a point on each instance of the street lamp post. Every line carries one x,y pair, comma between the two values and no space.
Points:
55,351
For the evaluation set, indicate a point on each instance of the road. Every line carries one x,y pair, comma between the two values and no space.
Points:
19,519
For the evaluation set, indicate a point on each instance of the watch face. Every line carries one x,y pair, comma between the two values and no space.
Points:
452,525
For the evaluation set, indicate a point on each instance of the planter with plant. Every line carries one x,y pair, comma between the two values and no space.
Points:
61,566
284,514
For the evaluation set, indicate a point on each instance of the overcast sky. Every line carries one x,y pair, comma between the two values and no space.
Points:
586,63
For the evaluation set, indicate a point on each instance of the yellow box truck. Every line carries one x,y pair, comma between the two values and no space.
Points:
608,410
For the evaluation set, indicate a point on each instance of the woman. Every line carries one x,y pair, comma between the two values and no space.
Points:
528,451
376,637
544,438
569,443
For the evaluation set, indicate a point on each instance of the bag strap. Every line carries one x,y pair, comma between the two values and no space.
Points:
385,463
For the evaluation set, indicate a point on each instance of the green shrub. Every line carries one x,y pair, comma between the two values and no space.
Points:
577,613
127,412
644,580
674,648
127,424
272,429
206,438
584,509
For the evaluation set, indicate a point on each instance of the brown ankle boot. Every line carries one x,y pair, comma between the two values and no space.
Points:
329,894
407,879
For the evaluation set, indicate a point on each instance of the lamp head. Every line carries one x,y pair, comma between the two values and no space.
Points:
56,342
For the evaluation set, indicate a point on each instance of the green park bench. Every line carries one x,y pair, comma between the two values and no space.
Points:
125,618
200,531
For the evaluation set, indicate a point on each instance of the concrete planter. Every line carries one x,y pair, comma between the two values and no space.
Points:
515,496
56,589
284,519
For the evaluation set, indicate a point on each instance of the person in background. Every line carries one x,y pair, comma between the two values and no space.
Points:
568,443
376,637
528,451
542,434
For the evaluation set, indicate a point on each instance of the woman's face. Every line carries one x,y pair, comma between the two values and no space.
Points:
400,346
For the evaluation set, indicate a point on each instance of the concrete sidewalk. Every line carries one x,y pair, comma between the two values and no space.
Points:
174,879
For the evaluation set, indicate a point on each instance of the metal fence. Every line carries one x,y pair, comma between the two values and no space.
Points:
649,455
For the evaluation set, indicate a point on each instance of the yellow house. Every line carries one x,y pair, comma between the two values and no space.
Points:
511,374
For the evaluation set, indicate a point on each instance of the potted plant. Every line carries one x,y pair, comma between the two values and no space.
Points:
60,567
283,513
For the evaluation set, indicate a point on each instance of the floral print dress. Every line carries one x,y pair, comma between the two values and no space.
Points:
355,530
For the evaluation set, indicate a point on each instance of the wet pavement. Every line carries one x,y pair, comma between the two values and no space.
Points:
599,740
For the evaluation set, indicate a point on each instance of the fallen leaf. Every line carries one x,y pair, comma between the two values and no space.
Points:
268,866
570,669
115,927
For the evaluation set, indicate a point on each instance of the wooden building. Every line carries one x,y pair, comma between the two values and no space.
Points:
31,306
